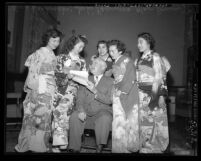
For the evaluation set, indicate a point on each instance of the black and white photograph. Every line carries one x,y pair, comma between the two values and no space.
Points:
101,78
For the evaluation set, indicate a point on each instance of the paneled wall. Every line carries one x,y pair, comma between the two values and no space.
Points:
26,25
15,23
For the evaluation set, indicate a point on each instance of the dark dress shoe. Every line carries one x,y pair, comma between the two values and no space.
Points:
29,151
99,149
73,151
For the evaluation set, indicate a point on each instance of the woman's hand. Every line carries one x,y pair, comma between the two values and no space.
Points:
116,71
66,70
82,116
117,93
70,76
108,73
161,102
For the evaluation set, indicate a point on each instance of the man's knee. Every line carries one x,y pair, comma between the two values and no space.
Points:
105,119
74,117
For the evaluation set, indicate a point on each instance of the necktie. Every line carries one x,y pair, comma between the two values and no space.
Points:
96,80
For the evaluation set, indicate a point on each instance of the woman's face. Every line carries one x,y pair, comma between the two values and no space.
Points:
78,47
113,51
102,49
143,45
53,43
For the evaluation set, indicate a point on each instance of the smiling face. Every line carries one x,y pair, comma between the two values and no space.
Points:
113,51
53,43
143,45
78,47
102,49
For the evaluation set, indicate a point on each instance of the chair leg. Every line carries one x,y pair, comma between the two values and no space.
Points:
83,139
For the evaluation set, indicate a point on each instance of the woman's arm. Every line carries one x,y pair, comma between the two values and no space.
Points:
128,79
159,86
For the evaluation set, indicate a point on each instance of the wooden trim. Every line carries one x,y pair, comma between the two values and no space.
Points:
177,87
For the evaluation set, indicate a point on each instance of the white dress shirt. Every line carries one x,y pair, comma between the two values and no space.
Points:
97,78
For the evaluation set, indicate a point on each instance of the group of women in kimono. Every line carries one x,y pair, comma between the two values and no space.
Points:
139,110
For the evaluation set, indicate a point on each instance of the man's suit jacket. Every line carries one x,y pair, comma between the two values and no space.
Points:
91,105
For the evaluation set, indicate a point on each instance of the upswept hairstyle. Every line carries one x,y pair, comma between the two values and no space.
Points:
149,38
51,33
120,45
69,44
102,42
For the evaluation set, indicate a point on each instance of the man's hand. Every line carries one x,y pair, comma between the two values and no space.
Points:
91,87
82,116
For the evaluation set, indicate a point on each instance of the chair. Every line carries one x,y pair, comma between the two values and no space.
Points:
14,104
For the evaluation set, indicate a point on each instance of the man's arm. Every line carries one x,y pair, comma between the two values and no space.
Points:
100,96
105,97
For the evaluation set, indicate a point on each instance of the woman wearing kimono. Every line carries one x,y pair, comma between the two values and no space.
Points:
125,127
38,105
151,78
66,90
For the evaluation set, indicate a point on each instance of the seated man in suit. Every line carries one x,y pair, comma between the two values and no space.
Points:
93,100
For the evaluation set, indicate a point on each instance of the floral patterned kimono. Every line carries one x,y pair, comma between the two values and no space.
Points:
38,104
64,98
151,77
125,126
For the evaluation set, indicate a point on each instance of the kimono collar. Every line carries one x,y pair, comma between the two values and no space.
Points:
105,59
74,57
118,58
48,50
146,55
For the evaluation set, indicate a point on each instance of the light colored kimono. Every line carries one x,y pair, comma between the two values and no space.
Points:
38,104
153,124
65,94
125,126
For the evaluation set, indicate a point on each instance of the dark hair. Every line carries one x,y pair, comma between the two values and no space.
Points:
51,33
102,42
149,38
120,45
69,44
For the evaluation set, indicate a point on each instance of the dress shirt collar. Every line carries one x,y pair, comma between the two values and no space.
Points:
99,77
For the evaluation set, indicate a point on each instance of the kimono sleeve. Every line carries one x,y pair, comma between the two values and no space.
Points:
128,78
33,62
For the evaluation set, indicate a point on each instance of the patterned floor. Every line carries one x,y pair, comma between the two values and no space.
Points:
178,142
